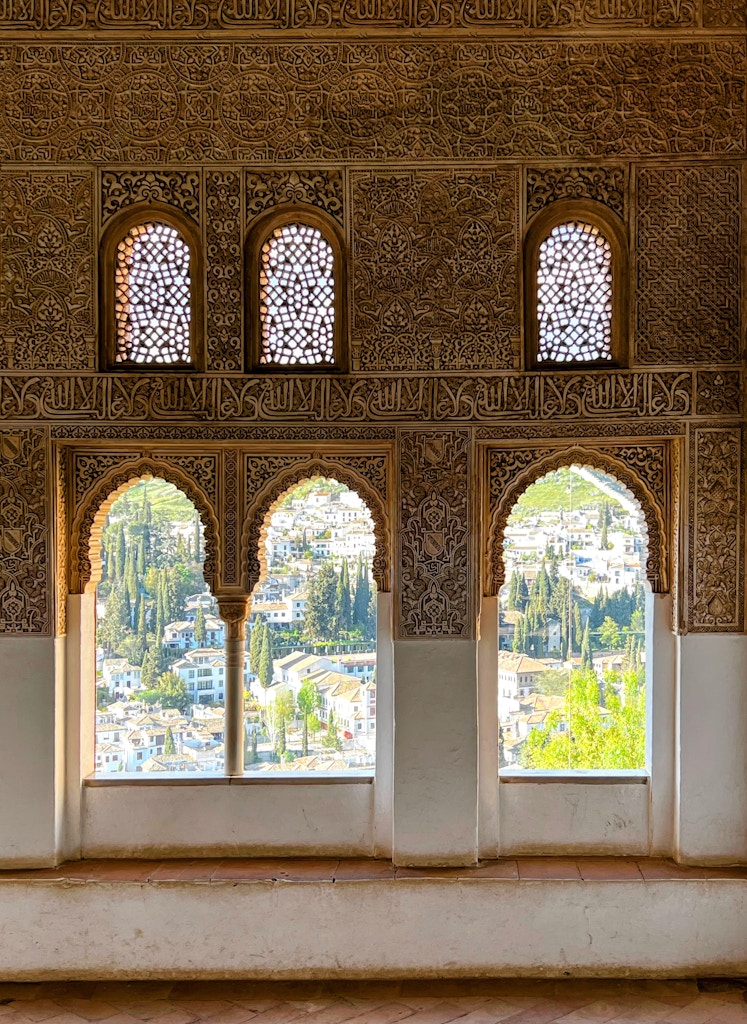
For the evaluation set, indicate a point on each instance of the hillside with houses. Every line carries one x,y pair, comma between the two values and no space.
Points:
310,659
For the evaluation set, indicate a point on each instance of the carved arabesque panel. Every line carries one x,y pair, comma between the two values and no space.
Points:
24,533
231,567
60,499
46,271
545,185
434,587
642,468
324,102
716,537
688,265
268,189
223,240
435,270
269,477
121,188
195,475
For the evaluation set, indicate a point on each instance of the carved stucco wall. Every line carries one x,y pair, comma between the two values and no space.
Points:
432,155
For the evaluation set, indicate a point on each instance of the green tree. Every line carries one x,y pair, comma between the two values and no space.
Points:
200,630
169,746
265,658
309,701
255,644
196,542
609,635
151,667
586,660
344,618
280,713
170,691
612,736
362,596
332,739
321,605
121,550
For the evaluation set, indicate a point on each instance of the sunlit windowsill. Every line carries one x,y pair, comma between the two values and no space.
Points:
585,776
213,779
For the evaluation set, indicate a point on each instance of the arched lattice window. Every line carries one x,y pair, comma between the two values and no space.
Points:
150,290
295,292
574,282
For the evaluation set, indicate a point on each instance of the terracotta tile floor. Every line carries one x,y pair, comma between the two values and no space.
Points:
720,1001
307,869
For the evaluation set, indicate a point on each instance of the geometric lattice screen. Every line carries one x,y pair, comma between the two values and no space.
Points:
152,295
297,297
574,295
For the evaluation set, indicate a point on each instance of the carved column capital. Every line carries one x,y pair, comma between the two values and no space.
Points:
233,610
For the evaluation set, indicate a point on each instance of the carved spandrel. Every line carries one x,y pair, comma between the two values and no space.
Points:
324,102
435,271
180,189
268,189
47,258
644,468
268,477
434,591
688,265
24,533
327,400
716,537
545,185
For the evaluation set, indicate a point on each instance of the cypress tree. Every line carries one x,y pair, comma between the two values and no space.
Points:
160,615
200,631
362,596
121,551
586,660
523,594
255,644
344,610
513,591
265,658
578,629
197,554
169,746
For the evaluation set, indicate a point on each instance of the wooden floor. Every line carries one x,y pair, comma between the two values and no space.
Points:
412,1002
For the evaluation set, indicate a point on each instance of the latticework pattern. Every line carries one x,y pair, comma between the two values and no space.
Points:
297,297
574,295
152,296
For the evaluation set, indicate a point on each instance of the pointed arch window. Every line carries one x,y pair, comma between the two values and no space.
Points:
295,292
575,279
151,299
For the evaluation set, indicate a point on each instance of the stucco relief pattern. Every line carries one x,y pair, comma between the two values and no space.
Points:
174,188
223,241
545,185
322,188
24,533
231,571
643,468
46,278
688,265
716,563
325,102
434,585
435,270
144,15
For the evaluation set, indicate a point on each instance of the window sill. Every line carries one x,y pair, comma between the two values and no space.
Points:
210,779
576,776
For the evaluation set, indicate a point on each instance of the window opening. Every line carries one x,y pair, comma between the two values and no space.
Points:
571,660
574,294
297,297
159,640
311,704
152,295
